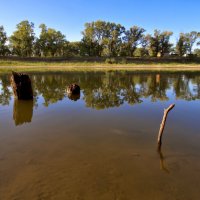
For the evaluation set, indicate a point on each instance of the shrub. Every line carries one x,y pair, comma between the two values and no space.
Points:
111,61
123,61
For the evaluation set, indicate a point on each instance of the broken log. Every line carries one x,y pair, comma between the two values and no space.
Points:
162,125
21,85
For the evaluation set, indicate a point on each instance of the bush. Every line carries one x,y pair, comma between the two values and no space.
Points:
111,61
123,61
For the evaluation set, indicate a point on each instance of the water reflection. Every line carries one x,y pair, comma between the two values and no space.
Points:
110,89
73,97
162,161
72,152
22,111
5,92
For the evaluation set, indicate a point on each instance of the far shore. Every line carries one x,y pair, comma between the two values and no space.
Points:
8,66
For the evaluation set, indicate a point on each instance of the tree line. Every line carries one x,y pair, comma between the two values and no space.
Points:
99,39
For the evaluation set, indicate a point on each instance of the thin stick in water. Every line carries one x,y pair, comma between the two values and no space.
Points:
162,125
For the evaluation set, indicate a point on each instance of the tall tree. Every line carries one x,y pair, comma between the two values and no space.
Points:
3,39
191,40
93,35
102,38
89,42
133,37
50,42
159,43
113,39
186,42
181,45
22,39
74,49
197,52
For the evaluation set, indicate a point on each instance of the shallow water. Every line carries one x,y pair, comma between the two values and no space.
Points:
103,145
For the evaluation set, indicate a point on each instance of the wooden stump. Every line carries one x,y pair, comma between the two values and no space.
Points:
21,85
73,89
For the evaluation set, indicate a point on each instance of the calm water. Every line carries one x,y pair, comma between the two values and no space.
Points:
101,146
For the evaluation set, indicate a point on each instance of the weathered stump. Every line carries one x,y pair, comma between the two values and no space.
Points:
21,85
73,89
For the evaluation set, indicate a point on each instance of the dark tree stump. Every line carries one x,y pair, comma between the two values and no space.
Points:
73,89
21,85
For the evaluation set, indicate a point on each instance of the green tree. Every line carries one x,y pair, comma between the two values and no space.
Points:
93,37
113,39
140,52
89,47
191,39
74,49
50,42
197,52
186,42
133,37
181,45
22,40
3,39
159,43
102,38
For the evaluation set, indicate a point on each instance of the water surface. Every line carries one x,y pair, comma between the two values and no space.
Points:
101,145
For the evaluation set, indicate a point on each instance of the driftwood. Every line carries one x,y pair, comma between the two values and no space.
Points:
21,85
162,125
73,89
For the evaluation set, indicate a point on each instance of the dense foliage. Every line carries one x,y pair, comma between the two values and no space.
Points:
100,38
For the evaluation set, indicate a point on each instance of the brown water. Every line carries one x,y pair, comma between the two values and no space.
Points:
103,145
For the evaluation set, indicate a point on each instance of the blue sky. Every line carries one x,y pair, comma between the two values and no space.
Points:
69,16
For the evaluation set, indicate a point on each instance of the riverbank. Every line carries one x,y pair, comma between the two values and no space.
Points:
7,66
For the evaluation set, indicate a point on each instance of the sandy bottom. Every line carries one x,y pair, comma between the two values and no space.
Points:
100,164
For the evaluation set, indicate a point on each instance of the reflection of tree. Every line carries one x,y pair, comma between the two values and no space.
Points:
109,89
196,89
50,86
131,95
22,111
181,88
157,87
102,98
5,93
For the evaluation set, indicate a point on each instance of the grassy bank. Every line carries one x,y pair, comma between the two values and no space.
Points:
7,66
